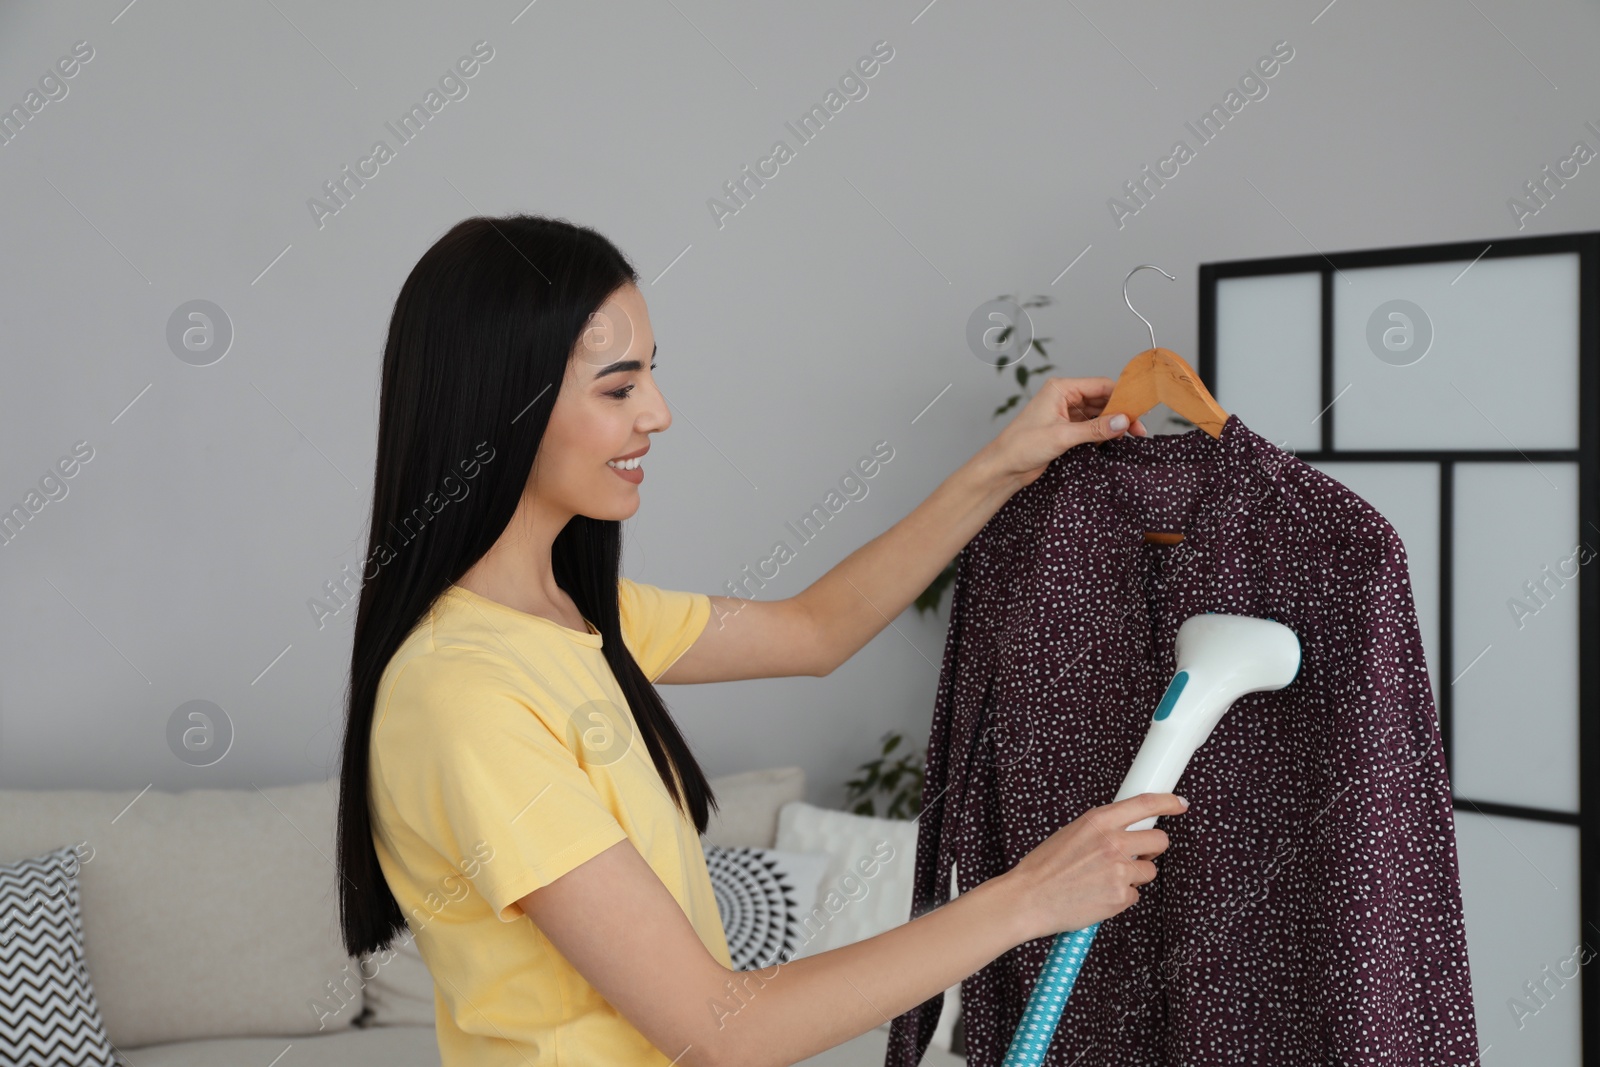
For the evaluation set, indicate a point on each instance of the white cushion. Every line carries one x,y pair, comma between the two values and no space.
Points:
853,904
856,904
748,803
207,913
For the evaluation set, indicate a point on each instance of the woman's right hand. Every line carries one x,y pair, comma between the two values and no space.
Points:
1088,870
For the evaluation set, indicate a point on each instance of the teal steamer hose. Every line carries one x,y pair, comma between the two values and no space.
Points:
1038,1026
1220,658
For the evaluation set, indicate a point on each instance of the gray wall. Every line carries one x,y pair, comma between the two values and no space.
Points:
819,319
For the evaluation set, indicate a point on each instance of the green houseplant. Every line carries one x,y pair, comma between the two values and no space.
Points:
896,782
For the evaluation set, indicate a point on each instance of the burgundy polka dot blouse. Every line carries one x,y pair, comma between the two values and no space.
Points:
1308,908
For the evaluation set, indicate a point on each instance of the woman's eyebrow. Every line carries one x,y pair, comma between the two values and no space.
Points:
623,365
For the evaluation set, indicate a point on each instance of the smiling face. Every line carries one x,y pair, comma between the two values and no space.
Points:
606,410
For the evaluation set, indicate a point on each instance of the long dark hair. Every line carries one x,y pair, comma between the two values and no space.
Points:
480,338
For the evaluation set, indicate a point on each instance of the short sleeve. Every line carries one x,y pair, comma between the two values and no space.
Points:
659,625
479,776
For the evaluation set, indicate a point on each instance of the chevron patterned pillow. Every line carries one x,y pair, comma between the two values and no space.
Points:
48,1013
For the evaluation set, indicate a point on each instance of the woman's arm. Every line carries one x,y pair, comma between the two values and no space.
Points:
851,603
612,918
817,629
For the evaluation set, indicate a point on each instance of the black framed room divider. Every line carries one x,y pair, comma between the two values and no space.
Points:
1456,387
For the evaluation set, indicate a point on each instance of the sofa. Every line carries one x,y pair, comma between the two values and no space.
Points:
208,925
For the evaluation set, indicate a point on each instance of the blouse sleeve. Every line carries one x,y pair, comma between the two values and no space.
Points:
659,625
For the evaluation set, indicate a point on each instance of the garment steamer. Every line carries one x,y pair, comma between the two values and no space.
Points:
1220,658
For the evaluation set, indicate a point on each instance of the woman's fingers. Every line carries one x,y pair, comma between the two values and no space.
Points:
1084,394
1144,843
1124,813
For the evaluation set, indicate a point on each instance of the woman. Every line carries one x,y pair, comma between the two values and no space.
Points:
513,788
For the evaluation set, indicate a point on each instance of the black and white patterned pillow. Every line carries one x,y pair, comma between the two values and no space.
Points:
48,1013
764,898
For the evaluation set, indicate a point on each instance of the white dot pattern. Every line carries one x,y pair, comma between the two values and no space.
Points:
1308,907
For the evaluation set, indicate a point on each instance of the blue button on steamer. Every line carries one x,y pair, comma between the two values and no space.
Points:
1170,697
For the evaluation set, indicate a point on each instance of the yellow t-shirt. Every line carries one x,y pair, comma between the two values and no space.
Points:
503,755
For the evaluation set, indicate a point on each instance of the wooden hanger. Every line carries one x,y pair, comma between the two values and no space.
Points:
1161,376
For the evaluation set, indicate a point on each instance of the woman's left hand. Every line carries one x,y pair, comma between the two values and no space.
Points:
1063,413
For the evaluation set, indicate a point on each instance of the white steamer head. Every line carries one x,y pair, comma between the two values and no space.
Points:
1220,658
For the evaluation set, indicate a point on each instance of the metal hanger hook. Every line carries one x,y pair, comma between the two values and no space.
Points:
1125,299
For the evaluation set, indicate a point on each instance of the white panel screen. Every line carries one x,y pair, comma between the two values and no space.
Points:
1468,333
1519,893
1515,632
1269,355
